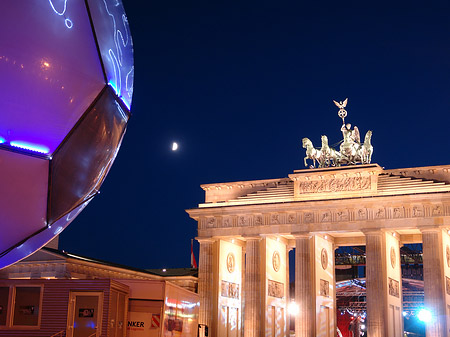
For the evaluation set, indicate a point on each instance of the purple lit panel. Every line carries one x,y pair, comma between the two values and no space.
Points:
23,197
50,70
82,162
41,239
116,46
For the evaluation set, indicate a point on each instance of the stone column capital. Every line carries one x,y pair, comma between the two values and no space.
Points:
430,229
205,239
302,235
252,237
373,231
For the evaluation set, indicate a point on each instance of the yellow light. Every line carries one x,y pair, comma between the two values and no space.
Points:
45,64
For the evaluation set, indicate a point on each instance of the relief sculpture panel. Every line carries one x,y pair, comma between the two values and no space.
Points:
335,185
275,289
229,289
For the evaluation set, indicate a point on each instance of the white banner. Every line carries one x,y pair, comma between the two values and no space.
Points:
140,325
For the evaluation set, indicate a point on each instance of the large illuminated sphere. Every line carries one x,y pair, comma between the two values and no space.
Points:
66,84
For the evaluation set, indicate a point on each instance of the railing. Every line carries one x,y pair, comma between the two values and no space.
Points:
93,335
62,333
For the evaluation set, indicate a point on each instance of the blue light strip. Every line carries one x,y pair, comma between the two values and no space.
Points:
30,147
114,87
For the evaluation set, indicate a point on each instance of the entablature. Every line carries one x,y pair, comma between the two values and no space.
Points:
398,212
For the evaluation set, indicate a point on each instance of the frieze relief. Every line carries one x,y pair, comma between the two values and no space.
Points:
417,211
326,216
398,212
275,219
437,210
335,185
308,217
342,215
380,213
361,214
210,222
243,221
292,218
258,220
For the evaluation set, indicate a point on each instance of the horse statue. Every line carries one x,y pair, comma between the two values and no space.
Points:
366,150
329,156
311,152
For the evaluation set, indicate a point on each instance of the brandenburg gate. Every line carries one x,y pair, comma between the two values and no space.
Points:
247,228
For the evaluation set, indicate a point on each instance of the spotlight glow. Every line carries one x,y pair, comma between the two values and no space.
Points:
174,146
425,315
293,309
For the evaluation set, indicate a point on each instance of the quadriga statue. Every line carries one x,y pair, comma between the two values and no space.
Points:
351,151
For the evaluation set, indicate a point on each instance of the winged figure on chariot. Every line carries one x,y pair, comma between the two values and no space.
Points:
351,150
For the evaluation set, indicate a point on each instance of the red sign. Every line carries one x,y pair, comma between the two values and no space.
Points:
156,321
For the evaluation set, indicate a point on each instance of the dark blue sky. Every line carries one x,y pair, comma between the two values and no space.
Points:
238,84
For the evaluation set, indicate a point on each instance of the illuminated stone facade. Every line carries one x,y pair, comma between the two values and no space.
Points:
315,211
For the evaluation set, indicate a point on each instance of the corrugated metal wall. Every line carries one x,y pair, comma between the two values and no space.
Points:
55,304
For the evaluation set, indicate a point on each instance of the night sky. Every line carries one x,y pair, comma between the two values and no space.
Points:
238,84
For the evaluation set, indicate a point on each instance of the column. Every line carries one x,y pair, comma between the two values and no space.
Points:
243,293
205,284
314,286
288,293
304,287
375,285
433,278
383,284
253,294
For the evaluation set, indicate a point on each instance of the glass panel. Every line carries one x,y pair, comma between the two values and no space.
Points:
81,164
23,197
50,70
4,294
116,46
26,309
